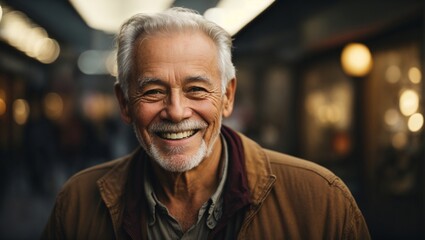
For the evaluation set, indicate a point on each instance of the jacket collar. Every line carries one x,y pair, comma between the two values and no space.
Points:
112,188
258,170
112,184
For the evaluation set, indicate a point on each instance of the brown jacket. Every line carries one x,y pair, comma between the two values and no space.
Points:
290,199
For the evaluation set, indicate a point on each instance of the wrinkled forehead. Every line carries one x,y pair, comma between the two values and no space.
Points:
187,49
174,46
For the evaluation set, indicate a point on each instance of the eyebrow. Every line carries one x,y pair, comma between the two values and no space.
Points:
143,81
199,78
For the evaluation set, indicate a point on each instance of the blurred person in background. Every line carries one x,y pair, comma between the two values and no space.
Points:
192,177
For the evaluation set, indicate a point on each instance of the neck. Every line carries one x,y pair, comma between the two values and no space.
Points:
195,185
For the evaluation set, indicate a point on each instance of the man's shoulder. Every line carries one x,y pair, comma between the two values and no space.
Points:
284,164
287,163
99,169
289,169
303,174
88,178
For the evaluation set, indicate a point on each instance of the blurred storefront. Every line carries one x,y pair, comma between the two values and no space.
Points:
364,121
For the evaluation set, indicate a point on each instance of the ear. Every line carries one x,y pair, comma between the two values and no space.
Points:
229,97
123,102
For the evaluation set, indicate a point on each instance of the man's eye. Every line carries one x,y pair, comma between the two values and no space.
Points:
197,89
153,92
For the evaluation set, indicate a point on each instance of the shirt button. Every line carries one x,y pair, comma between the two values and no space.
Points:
210,224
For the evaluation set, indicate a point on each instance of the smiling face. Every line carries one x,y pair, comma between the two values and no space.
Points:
175,99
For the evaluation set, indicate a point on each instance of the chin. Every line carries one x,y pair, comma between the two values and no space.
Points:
173,162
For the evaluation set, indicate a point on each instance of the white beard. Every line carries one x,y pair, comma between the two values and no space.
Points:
173,162
172,159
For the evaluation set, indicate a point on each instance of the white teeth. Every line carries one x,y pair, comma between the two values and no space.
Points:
179,135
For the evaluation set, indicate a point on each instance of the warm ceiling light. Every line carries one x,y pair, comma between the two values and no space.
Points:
22,33
47,50
33,37
356,60
233,15
108,15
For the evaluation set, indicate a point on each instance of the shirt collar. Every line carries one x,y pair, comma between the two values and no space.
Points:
216,208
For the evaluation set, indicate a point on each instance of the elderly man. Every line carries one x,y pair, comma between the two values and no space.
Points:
193,178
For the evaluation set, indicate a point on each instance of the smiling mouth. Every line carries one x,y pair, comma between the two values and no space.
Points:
176,135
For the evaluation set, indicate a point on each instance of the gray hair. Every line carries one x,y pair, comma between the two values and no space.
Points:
171,20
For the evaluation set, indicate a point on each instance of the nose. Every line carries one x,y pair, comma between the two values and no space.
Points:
176,109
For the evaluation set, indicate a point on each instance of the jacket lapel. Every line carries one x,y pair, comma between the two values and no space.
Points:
249,178
121,191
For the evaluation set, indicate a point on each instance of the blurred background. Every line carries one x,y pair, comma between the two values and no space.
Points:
338,82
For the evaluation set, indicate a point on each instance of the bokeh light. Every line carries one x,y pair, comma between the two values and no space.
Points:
399,140
111,63
356,60
21,111
53,106
392,117
20,32
415,122
409,102
98,106
393,74
31,46
415,75
47,50
1,12
329,114
94,62
2,107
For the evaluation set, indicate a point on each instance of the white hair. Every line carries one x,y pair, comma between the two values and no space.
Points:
171,20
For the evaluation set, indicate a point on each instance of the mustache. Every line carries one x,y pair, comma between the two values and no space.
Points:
185,125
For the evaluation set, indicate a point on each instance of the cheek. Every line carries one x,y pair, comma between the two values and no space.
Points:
209,110
144,114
